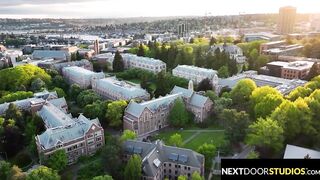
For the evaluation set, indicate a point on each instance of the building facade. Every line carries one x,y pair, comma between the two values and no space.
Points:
160,161
289,70
113,89
77,136
286,20
193,73
80,76
150,116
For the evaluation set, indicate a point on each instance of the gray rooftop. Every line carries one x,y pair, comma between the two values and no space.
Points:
196,70
154,154
49,54
295,152
195,99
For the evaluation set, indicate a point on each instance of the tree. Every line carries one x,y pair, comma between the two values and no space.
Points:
266,134
204,85
11,139
213,41
15,96
253,155
13,112
212,95
60,92
178,116
132,170
16,173
208,150
78,56
118,64
87,97
241,93
75,90
5,168
176,140
223,72
232,67
181,177
43,172
141,50
314,71
196,176
161,84
115,112
58,160
37,85
299,92
59,81
221,104
105,177
127,134
235,124
254,54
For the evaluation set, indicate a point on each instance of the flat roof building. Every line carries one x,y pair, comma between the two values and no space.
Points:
194,73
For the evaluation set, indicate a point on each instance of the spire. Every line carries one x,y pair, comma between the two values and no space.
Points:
190,86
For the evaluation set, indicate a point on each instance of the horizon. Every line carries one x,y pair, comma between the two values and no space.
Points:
98,9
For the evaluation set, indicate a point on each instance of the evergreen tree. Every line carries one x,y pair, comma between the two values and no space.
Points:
161,84
232,67
133,168
204,85
118,64
178,115
213,41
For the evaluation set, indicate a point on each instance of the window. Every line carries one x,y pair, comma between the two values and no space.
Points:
175,172
69,149
169,164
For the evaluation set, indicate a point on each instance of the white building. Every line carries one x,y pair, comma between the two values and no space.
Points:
80,76
193,73
111,88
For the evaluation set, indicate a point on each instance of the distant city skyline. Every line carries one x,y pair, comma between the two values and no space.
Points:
145,8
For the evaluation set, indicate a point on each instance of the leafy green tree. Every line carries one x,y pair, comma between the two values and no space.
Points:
105,177
232,67
141,51
196,176
42,173
127,134
299,92
115,112
221,104
97,109
208,150
266,134
241,93
254,54
253,155
37,85
132,170
161,84
16,173
60,92
118,64
262,60
59,81
87,97
13,112
15,96
179,116
223,72
235,124
181,177
176,140
267,105
213,41
211,95
58,160
5,168
75,90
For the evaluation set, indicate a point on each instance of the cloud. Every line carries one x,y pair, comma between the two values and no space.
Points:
37,2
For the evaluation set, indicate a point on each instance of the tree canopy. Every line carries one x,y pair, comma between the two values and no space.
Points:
128,134
178,115
42,173
118,64
115,112
208,150
241,93
132,170
58,160
176,140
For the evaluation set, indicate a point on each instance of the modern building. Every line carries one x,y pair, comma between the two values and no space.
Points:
234,52
271,45
284,86
113,89
50,54
287,50
194,73
160,161
261,36
150,116
296,152
183,29
288,70
286,20
80,76
77,136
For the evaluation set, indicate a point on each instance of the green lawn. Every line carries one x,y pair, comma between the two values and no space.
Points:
216,138
136,81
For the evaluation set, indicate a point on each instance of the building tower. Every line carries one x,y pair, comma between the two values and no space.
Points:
190,85
286,20
215,84
96,46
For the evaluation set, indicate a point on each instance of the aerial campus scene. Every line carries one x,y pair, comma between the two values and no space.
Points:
153,90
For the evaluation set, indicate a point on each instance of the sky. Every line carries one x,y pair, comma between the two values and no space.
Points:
145,8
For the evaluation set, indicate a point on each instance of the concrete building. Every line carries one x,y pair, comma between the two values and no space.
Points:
150,116
113,89
58,66
284,86
286,20
234,52
51,54
77,136
261,36
160,161
288,70
80,76
194,73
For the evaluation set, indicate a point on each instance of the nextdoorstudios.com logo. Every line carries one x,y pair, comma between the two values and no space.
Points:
270,169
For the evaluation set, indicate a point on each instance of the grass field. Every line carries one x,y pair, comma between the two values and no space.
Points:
212,137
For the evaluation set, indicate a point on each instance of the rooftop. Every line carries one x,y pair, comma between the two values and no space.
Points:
296,152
